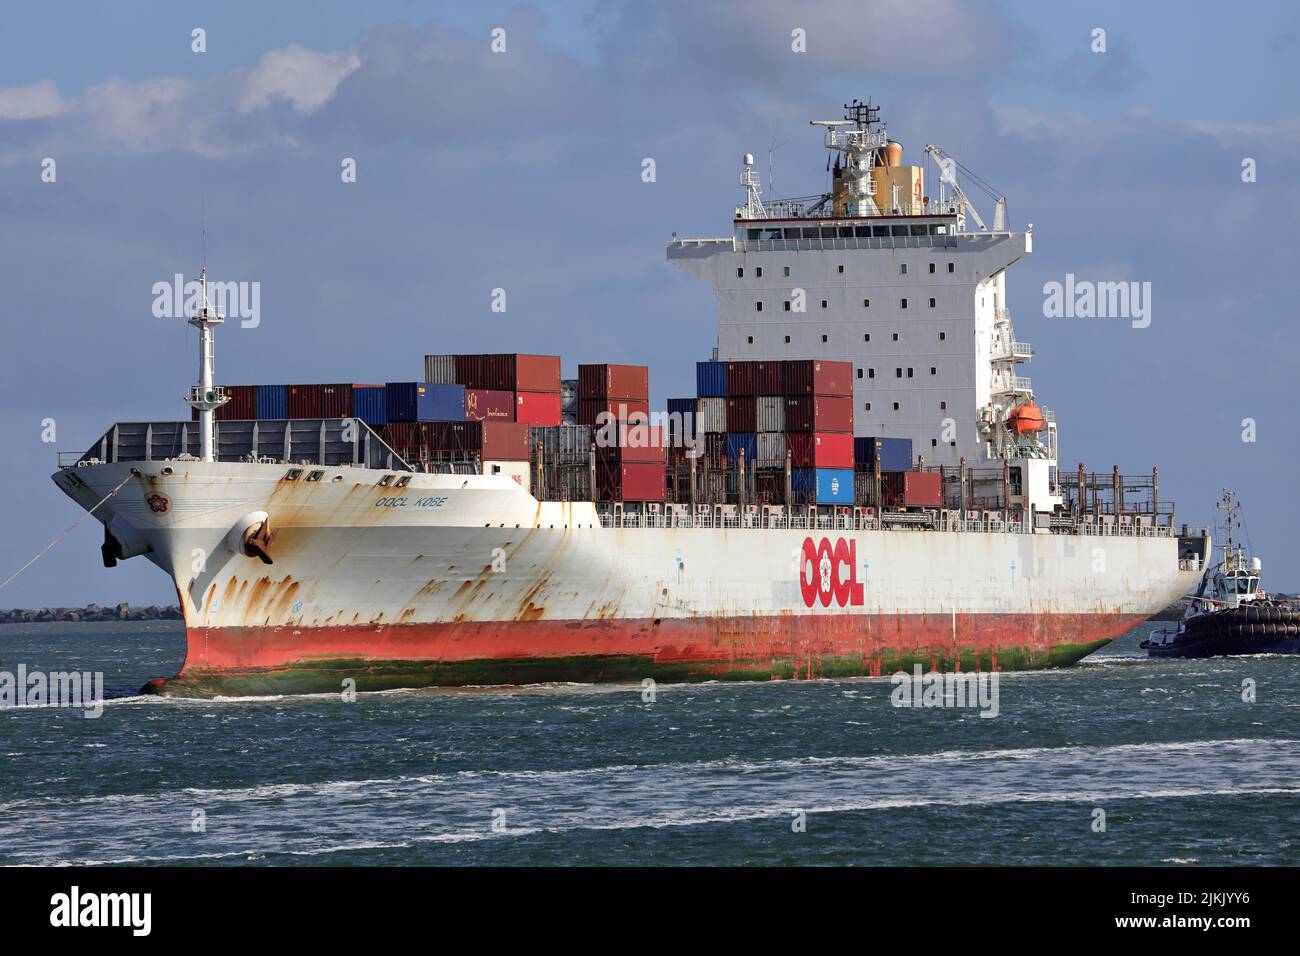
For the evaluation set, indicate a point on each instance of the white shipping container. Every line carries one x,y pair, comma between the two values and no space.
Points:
770,451
771,413
711,414
520,471
440,369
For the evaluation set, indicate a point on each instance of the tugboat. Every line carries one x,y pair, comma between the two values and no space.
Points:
1237,616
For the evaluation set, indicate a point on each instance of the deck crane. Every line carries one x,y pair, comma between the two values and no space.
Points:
948,165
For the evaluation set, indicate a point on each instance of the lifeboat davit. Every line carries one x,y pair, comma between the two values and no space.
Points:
1025,419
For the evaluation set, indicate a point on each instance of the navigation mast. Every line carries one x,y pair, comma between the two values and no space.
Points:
205,396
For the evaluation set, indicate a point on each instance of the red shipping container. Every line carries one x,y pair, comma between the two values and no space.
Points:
742,414
537,408
485,404
911,489
241,407
511,372
820,449
336,401
815,377
818,413
741,379
621,409
305,401
632,442
636,481
767,378
495,440
613,381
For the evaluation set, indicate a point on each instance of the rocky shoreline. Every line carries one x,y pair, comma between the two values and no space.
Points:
91,612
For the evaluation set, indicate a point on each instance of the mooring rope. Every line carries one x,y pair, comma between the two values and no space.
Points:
71,528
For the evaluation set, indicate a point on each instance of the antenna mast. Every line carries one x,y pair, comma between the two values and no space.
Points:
204,396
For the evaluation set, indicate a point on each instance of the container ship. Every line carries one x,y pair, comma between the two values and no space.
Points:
863,481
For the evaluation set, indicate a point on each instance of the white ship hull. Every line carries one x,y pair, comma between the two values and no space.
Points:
470,580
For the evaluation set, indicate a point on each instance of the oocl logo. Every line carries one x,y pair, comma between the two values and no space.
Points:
830,572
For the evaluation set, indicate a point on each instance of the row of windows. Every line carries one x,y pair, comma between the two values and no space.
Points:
898,372
849,232
866,337
866,304
902,270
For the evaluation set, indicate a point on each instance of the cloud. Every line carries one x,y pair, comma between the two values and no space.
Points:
228,114
304,78
38,101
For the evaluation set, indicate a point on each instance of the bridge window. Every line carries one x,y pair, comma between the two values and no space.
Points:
823,338
758,306
866,406
740,273
933,370
859,373
895,406
759,272
787,340
866,337
951,267
895,336
943,336
909,373
931,268
751,340
787,305
943,406
878,231
899,230
823,303
866,303
841,270
902,303
787,270
932,303
902,268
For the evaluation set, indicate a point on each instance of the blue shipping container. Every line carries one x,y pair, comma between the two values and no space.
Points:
711,379
681,418
272,401
824,486
425,402
440,403
370,404
738,441
895,453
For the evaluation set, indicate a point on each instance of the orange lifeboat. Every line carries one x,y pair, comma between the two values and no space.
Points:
1025,419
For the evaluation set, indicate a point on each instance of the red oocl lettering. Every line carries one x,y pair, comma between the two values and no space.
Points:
808,574
829,572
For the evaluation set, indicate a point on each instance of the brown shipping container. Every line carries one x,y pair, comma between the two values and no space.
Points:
623,409
496,440
818,413
509,372
740,379
636,481
613,381
911,489
767,378
634,442
336,401
742,414
815,377
305,401
241,407
485,404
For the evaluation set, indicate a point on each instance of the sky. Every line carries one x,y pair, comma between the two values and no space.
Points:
522,170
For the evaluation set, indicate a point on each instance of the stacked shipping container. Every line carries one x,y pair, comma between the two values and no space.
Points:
630,454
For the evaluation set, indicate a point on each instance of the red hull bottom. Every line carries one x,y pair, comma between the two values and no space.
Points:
285,660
